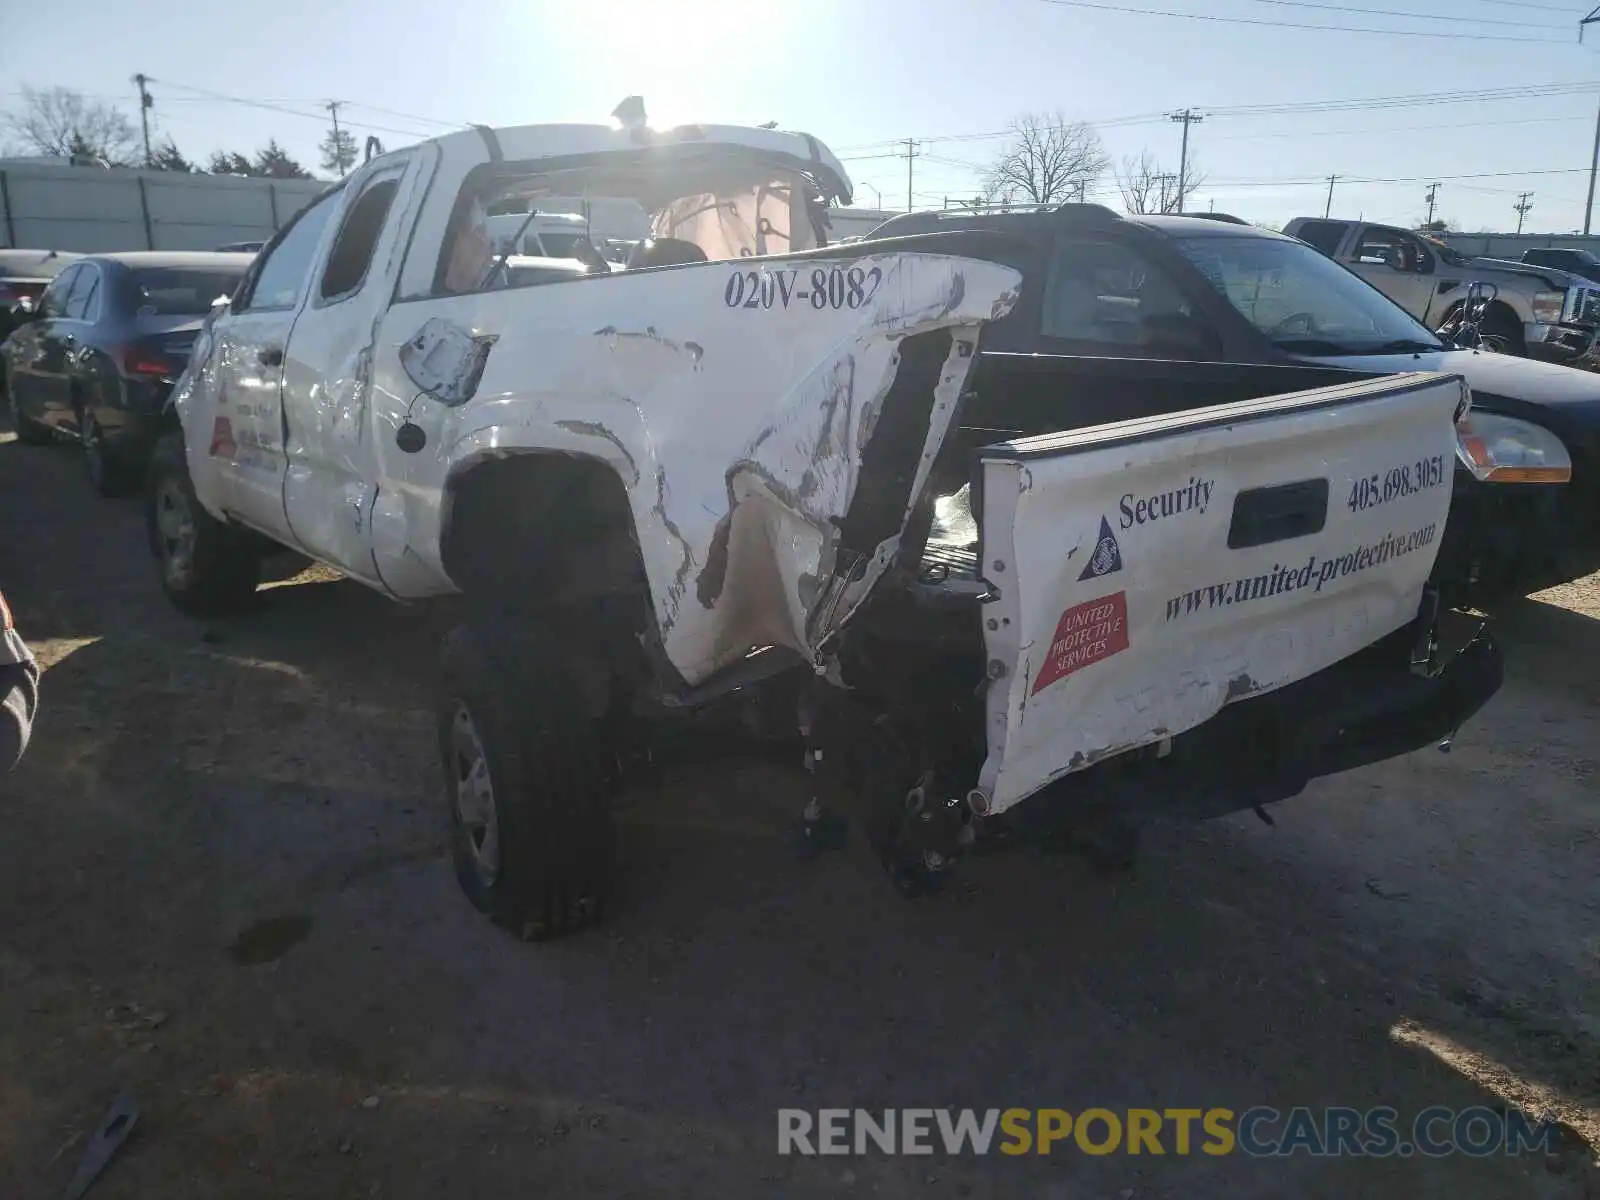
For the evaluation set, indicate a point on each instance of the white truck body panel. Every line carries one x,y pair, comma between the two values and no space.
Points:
1123,617
736,432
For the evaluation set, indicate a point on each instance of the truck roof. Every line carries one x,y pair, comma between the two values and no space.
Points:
1086,215
523,143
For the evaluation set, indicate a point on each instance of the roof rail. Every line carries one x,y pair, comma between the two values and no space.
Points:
1216,216
1084,209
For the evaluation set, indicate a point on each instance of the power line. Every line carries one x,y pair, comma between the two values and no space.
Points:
1407,16
1555,8
1261,21
1355,104
1368,131
279,108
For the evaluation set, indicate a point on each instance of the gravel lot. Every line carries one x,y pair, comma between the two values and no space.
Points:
224,887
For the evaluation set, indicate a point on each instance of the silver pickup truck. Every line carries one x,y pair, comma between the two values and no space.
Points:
1533,311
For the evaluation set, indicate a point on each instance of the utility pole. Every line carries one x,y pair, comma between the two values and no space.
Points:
1433,195
333,111
1523,204
911,154
146,103
1594,155
1166,204
1187,118
1327,209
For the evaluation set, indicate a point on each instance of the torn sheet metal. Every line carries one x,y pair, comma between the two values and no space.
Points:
1151,572
733,400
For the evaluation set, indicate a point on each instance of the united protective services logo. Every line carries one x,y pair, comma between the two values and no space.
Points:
1107,556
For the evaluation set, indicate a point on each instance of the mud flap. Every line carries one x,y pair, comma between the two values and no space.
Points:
1143,575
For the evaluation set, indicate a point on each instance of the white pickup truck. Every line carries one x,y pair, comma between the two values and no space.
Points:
734,477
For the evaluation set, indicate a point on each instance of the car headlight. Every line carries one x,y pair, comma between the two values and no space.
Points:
1500,449
1548,307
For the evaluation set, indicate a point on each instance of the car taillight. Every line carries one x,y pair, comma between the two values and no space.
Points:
143,362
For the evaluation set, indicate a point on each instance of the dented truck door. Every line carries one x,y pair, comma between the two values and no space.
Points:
330,475
1147,573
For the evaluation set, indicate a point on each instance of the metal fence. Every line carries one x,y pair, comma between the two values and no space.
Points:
89,210
1511,245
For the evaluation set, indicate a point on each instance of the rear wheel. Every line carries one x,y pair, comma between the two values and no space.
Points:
28,431
207,569
526,780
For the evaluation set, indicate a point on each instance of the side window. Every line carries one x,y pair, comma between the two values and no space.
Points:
81,303
351,256
1324,235
1389,248
282,275
54,301
1107,298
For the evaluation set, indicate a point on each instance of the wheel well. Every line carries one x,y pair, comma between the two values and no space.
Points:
535,529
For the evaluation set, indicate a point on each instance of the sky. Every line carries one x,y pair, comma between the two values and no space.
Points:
859,74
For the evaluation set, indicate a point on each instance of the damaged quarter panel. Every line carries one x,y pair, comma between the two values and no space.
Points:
1150,572
734,400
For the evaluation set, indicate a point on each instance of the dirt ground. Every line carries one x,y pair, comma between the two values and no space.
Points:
223,888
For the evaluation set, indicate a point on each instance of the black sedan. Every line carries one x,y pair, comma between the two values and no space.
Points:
109,337
24,275
1155,314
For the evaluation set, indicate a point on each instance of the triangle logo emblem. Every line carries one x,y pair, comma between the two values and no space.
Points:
1107,556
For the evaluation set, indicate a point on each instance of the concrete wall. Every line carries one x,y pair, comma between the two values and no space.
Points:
88,210
1511,245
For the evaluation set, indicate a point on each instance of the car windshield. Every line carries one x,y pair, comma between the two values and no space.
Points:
560,245
181,291
1302,300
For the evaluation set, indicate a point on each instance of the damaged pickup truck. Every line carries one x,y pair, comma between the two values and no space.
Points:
733,478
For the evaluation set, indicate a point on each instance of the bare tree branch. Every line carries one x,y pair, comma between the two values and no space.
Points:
60,122
1047,160
1147,187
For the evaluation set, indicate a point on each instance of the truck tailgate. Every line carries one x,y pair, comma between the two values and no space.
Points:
1147,573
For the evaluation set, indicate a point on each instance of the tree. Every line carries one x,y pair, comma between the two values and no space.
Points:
1047,160
274,162
168,157
60,122
1147,187
226,162
338,150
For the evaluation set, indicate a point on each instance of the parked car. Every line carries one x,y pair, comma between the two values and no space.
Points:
722,481
24,274
1185,310
1535,311
1575,262
109,336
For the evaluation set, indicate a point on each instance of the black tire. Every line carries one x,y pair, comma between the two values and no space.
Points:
29,432
542,757
209,569
110,474
1503,331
